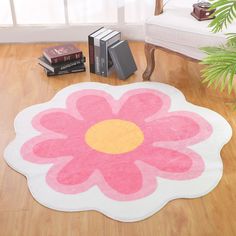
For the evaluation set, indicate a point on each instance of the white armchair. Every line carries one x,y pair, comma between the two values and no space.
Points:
174,29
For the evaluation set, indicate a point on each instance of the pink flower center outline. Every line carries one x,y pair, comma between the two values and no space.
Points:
122,177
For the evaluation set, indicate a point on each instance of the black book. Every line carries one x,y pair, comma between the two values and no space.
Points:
74,69
55,68
91,48
123,60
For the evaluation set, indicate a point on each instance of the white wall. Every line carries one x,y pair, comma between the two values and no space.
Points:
70,20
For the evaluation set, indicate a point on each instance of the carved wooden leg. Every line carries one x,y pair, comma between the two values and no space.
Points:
149,52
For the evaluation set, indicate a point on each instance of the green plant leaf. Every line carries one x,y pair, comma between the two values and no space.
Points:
221,67
231,40
225,14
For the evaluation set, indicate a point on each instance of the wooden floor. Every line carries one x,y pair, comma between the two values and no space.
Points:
23,83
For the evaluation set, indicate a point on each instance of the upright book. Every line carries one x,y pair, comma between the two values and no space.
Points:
106,63
62,53
91,48
123,59
97,49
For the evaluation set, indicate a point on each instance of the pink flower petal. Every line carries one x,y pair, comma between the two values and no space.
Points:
53,148
176,129
171,128
173,164
61,122
124,177
94,108
75,172
138,107
169,160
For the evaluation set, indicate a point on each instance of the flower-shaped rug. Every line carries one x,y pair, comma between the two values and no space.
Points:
122,150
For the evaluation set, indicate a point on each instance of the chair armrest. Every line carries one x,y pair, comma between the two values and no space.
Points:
158,7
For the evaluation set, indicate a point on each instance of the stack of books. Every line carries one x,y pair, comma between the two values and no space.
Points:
62,59
107,52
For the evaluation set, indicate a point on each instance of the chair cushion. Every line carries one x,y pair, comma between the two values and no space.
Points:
178,31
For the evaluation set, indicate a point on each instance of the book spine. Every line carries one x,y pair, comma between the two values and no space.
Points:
103,58
97,56
69,64
104,54
73,56
63,72
91,54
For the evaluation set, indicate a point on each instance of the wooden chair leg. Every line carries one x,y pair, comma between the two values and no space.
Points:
149,53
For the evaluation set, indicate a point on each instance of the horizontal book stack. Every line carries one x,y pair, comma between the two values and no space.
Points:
62,59
103,56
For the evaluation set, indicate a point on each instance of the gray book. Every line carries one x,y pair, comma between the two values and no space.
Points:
97,50
106,62
122,59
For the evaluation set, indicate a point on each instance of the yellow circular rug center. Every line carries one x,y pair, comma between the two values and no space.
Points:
114,136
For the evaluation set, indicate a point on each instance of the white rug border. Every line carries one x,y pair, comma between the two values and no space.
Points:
129,211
